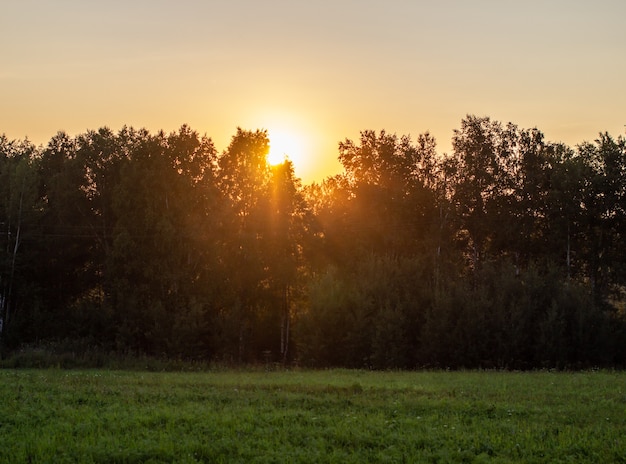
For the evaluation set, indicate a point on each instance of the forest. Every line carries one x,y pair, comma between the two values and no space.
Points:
508,252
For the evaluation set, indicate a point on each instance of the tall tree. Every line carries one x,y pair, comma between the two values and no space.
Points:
159,255
379,220
68,244
19,213
480,147
243,178
101,154
390,181
603,214
288,224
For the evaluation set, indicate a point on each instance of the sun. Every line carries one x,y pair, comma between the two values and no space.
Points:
291,136
284,144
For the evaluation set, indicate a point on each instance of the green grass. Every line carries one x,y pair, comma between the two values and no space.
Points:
311,416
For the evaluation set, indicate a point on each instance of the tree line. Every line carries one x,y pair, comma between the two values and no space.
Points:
508,252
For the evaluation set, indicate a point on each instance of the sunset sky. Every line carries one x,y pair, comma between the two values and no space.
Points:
313,71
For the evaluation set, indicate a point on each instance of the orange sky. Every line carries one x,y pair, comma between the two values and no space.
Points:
322,70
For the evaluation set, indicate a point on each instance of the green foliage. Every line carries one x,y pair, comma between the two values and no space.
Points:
372,318
325,416
508,252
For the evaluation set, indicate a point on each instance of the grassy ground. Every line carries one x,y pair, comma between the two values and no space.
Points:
322,416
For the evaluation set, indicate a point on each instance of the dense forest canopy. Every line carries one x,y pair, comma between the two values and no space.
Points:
508,252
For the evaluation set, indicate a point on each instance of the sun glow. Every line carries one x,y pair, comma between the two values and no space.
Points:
293,137
285,145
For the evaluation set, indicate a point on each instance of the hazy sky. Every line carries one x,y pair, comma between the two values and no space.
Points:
319,70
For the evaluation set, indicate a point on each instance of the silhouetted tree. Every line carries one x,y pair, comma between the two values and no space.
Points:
19,213
508,252
289,224
162,243
243,178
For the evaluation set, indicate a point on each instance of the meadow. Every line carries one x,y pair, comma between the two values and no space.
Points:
342,416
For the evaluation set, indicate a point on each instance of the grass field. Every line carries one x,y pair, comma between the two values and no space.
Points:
311,416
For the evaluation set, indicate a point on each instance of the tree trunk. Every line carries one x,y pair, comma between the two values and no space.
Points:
6,300
285,325
241,343
568,258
